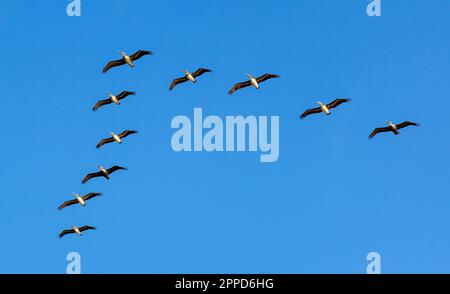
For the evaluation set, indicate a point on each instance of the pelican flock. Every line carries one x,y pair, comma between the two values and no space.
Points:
188,77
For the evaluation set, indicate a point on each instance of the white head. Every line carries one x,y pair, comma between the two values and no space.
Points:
100,167
123,53
249,76
185,72
110,94
74,227
75,194
320,103
112,134
389,122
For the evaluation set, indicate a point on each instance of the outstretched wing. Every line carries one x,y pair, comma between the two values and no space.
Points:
125,94
177,81
65,232
266,76
139,54
200,71
85,228
379,130
311,111
239,86
104,141
112,64
115,168
127,133
407,124
91,195
101,103
90,176
337,102
67,203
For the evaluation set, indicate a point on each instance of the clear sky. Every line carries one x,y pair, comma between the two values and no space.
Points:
331,198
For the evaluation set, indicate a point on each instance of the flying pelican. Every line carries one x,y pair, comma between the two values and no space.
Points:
102,173
392,128
252,82
76,230
112,99
126,59
117,138
189,77
324,108
79,199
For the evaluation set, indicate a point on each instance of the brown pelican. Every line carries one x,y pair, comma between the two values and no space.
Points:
392,128
112,99
117,138
189,77
126,59
102,173
76,230
79,199
324,108
252,82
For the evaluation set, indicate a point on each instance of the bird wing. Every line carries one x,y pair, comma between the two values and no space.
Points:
91,195
139,54
65,232
125,94
266,76
379,130
91,175
337,102
67,203
112,64
85,228
126,133
239,86
101,103
311,111
200,71
177,81
115,168
406,124
104,141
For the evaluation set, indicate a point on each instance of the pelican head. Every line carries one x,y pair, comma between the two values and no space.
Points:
111,133
73,227
75,194
320,103
185,72
389,122
249,75
100,167
123,53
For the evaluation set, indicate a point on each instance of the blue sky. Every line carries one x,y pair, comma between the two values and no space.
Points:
331,198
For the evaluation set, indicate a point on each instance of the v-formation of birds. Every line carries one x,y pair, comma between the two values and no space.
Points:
192,77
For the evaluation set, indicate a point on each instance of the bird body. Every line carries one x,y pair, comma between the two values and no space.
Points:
253,81
103,172
324,108
79,199
114,99
127,59
116,138
190,76
393,127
